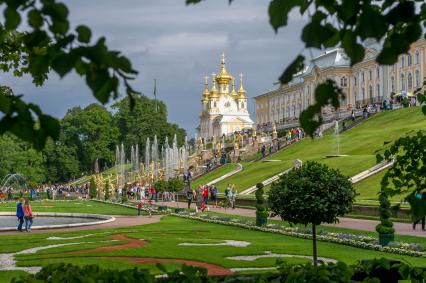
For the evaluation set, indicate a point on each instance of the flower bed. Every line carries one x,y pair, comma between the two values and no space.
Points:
358,241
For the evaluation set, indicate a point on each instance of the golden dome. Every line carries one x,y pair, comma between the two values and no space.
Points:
213,91
206,93
241,91
223,77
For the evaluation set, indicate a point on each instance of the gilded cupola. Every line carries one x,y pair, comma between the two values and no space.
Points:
206,93
223,78
214,92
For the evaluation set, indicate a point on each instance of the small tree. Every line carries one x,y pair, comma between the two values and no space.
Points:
176,184
93,191
407,175
261,208
107,194
312,194
124,198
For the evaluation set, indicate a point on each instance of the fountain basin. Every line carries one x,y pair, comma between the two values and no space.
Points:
52,220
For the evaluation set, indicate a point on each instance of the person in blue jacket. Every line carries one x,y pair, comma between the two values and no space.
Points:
20,214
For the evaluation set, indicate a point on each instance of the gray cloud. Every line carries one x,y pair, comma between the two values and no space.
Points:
178,45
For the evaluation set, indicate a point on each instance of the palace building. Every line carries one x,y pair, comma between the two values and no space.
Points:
364,83
224,110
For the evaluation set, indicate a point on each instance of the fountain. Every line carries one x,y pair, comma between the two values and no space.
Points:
15,181
120,160
337,141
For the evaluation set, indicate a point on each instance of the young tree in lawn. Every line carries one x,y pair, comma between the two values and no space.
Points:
93,192
107,193
312,194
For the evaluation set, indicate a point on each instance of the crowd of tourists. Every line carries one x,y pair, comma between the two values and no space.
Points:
205,195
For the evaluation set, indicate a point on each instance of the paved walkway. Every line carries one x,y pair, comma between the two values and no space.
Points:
120,221
351,223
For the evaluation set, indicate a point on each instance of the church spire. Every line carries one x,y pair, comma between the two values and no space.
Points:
233,93
241,91
206,92
213,91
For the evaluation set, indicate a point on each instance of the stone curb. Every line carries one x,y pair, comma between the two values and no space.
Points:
102,219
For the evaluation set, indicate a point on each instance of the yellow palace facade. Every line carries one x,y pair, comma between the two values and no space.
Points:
364,83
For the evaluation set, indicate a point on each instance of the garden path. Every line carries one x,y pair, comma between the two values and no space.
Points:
350,223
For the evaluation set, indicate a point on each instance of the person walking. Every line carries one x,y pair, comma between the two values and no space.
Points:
20,214
213,195
190,194
206,195
423,220
139,207
28,215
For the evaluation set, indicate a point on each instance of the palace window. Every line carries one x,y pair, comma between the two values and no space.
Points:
370,75
410,81
370,91
417,77
355,81
408,59
417,57
402,82
343,82
378,89
392,84
402,61
362,77
378,73
363,93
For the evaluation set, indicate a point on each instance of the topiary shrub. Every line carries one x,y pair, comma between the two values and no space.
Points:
107,195
261,208
312,194
176,184
93,192
124,197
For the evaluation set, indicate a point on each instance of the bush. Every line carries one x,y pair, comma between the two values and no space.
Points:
124,197
107,193
93,192
261,209
375,270
176,184
161,186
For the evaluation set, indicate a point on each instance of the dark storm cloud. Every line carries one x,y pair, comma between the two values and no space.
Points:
178,45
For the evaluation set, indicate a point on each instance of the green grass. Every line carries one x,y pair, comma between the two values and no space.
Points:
225,169
403,238
83,206
163,239
360,143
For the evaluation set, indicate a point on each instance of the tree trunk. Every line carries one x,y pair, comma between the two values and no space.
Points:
314,244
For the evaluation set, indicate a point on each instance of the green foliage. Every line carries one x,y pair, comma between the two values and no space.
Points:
407,176
161,186
47,44
261,208
405,102
92,132
61,161
93,191
107,195
176,184
17,156
313,193
143,121
375,270
124,197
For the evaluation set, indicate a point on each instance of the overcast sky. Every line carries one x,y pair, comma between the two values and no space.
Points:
178,45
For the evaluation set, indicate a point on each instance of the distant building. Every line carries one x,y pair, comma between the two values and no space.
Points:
224,110
364,83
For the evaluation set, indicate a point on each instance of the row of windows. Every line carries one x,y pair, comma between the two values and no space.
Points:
407,82
409,59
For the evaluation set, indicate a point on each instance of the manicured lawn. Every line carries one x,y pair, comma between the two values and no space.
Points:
361,144
163,240
77,206
225,169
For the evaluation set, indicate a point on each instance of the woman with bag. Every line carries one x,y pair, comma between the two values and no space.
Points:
28,215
